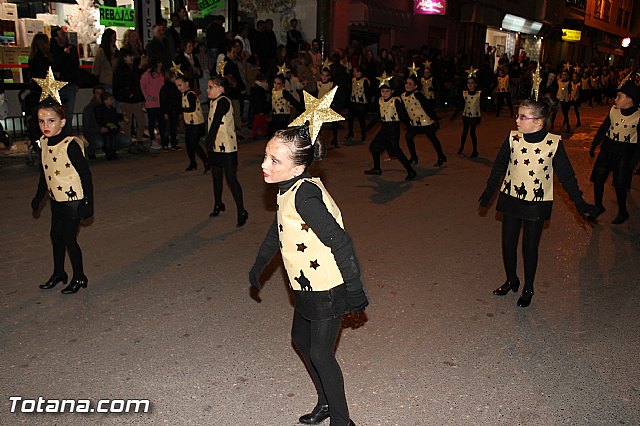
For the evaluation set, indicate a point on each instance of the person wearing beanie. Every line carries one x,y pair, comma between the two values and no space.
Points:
619,153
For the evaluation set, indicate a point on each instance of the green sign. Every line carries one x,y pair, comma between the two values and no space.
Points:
117,16
207,6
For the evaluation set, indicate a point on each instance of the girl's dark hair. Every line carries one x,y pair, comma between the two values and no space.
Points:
219,80
473,78
50,103
186,77
106,45
303,151
541,108
415,80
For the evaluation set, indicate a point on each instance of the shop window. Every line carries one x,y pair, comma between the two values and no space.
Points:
606,11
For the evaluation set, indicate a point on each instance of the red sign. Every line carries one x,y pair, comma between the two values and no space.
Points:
430,7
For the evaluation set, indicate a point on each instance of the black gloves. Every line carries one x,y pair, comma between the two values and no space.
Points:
356,299
85,209
484,199
586,210
255,272
35,203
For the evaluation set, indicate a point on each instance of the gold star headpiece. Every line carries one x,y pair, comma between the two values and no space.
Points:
282,69
176,68
627,78
50,86
413,70
471,72
427,65
317,112
384,79
326,64
535,83
567,67
220,67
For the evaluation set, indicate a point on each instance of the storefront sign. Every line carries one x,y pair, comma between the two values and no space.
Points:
207,6
520,24
571,35
117,16
148,20
430,7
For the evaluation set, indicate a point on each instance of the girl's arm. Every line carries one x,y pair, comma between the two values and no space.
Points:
222,107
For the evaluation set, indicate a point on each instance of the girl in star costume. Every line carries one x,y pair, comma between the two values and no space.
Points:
358,103
471,115
281,103
193,123
619,150
318,256
66,178
524,171
222,145
564,96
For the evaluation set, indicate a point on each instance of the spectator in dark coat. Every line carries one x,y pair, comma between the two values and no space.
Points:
66,67
126,90
188,30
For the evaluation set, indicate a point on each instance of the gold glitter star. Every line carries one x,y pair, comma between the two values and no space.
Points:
567,67
471,72
176,68
326,64
535,83
220,68
384,79
413,70
624,80
282,69
427,65
317,112
50,86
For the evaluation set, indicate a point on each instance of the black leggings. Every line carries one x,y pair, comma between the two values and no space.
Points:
430,131
64,233
316,342
358,111
531,232
226,164
504,96
389,141
192,136
467,126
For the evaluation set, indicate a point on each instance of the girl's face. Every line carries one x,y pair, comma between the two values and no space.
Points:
471,84
188,48
213,90
385,93
565,76
623,101
277,84
325,76
527,121
357,73
277,165
50,123
128,60
182,85
409,85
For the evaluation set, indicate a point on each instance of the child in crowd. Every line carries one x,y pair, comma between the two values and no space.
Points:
151,82
170,104
194,123
281,103
470,116
358,103
107,118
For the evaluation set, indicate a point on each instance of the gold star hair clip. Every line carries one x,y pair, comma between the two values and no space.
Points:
176,68
627,78
471,72
316,112
220,67
326,64
384,79
50,86
535,83
413,70
282,69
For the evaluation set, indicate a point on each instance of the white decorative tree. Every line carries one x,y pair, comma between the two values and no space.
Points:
85,22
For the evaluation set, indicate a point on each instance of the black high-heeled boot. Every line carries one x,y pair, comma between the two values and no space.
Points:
316,416
525,298
216,210
508,285
54,280
242,218
75,285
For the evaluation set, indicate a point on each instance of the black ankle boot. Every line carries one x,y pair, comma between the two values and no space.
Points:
216,210
75,285
525,299
508,285
242,218
54,281
317,415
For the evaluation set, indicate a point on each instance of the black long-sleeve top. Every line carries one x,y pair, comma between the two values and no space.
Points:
601,136
259,100
79,163
222,107
126,83
532,210
170,98
314,212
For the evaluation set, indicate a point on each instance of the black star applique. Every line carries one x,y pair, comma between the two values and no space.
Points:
515,162
512,150
546,168
617,124
536,181
516,138
301,247
526,162
50,151
537,151
625,126
314,264
547,177
49,177
523,150
531,173
540,160
550,154
55,159
549,142
46,166
280,228
57,172
68,165
59,188
304,227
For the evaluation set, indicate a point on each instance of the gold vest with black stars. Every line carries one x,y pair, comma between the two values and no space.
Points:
417,115
279,105
575,91
586,83
529,176
358,95
62,178
503,84
324,88
427,88
563,91
388,110
623,128
471,104
195,117
225,140
310,264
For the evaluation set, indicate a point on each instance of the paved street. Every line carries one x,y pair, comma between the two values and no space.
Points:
168,315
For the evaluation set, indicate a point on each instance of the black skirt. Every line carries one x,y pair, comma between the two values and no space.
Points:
223,159
527,210
322,305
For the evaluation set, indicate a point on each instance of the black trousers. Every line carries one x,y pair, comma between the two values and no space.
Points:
65,223
617,159
388,139
466,127
531,233
227,165
430,131
170,133
192,136
359,112
316,342
504,96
